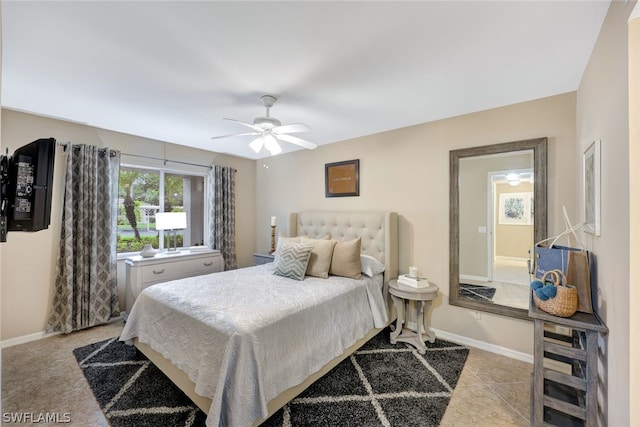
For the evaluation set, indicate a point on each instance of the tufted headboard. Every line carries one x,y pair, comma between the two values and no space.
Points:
379,232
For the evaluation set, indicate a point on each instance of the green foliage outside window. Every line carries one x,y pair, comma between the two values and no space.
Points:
140,199
131,244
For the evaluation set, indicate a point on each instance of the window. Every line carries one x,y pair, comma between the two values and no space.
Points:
144,192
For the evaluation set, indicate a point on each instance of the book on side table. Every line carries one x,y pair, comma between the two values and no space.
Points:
414,282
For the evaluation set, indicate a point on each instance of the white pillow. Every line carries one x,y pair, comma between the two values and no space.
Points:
370,265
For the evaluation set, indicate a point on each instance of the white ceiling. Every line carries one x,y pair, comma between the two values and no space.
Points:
171,70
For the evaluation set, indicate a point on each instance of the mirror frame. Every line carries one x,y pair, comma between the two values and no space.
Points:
539,147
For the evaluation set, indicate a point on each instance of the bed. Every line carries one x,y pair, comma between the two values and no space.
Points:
239,349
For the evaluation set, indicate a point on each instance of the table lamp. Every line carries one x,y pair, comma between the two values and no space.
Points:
171,221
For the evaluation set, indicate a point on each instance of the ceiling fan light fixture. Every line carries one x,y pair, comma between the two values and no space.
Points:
256,144
270,132
513,179
266,122
271,144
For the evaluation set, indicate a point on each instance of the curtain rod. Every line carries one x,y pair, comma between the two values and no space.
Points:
167,160
64,144
76,147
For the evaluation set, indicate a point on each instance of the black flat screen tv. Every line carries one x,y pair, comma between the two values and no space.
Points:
30,179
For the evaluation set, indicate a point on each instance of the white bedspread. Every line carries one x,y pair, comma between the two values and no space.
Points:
244,336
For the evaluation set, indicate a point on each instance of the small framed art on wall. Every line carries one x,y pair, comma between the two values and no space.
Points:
342,179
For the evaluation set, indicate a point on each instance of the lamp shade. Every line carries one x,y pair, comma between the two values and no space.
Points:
171,220
268,141
271,143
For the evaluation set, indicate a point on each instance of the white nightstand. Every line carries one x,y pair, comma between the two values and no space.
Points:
402,295
259,259
165,266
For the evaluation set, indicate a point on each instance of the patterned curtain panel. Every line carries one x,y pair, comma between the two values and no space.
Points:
86,291
222,193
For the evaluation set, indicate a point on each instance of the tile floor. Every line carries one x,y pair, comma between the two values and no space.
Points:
511,283
43,376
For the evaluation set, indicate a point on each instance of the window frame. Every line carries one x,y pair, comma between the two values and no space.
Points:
162,171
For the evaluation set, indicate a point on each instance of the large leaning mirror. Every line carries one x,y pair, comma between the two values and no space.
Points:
498,210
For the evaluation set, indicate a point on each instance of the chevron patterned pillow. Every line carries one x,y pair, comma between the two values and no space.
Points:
293,259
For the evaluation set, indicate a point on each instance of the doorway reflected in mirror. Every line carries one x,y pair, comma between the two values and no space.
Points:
498,208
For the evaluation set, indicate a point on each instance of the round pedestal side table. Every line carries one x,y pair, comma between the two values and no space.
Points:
402,296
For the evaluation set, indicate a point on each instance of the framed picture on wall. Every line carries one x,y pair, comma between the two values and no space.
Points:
342,179
515,208
591,185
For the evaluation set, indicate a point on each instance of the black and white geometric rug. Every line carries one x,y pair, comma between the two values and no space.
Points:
477,292
382,384
131,391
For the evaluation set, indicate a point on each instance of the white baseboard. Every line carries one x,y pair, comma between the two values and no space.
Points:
36,336
502,351
26,338
474,278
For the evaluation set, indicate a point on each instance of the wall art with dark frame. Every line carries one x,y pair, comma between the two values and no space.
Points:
342,179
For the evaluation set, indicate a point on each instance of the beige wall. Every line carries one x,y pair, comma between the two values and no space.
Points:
602,113
634,199
28,261
407,171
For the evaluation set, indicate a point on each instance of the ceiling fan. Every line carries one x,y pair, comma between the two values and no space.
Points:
270,130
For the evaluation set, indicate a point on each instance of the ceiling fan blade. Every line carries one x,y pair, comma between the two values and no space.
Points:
298,141
249,125
292,128
235,134
270,131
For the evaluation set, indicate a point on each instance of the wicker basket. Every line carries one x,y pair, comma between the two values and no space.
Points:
565,303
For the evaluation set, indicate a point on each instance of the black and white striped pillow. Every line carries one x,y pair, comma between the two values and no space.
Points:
293,259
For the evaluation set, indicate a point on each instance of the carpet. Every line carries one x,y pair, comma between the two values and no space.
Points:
379,385
477,292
